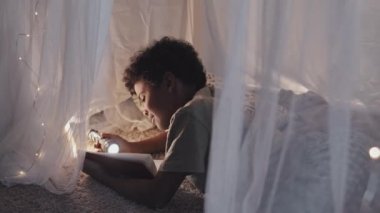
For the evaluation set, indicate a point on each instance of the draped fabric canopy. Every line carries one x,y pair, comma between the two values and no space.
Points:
297,93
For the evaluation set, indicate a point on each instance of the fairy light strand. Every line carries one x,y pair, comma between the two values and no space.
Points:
36,84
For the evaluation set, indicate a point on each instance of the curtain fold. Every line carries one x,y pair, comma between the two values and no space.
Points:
53,58
309,80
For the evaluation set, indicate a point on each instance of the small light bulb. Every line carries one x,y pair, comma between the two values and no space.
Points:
42,124
28,35
37,154
38,89
36,13
374,153
19,58
21,172
113,148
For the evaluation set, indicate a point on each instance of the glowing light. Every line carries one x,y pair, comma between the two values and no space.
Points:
113,148
21,173
69,128
374,153
36,13
42,124
291,84
38,89
75,150
19,58
28,35
37,154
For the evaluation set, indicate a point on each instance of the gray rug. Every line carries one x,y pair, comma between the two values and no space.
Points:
90,196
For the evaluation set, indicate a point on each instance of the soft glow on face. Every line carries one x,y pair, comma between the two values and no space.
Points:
374,153
113,148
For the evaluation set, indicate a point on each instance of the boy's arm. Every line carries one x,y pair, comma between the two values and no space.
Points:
155,193
151,145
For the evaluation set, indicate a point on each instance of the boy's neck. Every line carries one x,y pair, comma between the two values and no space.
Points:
187,93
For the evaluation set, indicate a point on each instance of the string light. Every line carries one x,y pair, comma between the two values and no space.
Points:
374,153
39,153
19,36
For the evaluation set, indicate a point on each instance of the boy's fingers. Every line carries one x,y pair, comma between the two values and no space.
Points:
110,136
107,135
97,145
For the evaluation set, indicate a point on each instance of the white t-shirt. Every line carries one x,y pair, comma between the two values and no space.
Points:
189,136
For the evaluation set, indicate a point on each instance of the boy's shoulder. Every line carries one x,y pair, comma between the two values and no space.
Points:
199,108
202,101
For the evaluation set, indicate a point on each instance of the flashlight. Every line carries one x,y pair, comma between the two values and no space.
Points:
106,145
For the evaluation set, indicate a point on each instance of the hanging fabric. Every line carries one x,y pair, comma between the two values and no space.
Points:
51,51
308,69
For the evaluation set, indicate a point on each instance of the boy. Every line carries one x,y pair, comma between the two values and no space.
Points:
169,80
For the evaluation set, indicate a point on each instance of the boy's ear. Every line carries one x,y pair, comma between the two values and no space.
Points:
169,81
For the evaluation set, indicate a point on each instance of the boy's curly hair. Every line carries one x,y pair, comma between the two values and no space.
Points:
165,55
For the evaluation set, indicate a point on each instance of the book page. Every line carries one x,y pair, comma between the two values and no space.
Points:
125,164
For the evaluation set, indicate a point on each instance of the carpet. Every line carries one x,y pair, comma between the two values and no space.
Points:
91,196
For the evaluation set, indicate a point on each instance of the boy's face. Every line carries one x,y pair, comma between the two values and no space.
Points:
157,103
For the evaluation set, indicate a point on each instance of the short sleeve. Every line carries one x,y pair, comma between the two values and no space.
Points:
187,145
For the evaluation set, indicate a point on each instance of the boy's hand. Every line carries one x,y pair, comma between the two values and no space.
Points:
124,145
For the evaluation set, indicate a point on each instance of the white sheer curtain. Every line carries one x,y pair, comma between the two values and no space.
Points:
306,149
50,54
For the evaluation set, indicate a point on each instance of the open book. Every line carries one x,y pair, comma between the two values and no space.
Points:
134,165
